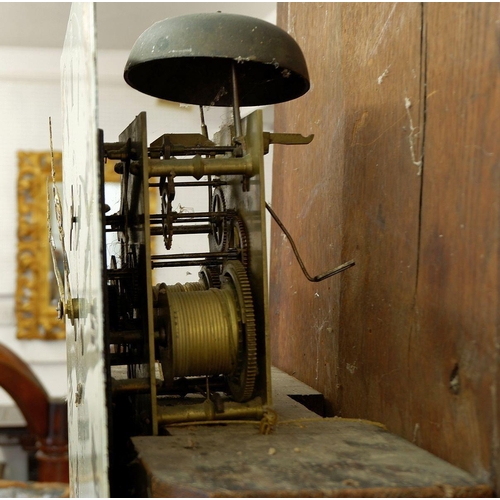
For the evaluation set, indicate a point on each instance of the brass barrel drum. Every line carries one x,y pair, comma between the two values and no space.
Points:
211,331
204,332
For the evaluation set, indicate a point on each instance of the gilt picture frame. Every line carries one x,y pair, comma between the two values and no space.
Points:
36,289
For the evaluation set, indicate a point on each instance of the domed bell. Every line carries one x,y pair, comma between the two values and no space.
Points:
189,59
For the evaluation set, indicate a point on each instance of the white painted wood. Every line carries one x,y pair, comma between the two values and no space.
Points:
87,413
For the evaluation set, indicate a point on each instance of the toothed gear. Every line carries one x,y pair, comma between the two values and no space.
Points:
167,194
166,222
242,380
210,276
239,240
218,240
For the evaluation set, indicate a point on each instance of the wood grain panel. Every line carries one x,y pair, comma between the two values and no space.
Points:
381,197
403,176
454,352
352,183
303,315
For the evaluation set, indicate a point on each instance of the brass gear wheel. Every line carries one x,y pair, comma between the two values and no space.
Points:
167,193
238,239
218,235
228,232
210,276
242,380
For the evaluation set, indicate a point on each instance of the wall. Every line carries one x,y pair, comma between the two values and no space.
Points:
402,177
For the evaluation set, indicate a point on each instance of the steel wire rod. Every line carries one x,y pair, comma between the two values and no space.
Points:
319,277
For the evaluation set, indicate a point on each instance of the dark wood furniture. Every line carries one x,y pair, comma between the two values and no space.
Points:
46,420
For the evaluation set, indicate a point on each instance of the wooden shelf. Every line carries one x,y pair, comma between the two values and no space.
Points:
305,456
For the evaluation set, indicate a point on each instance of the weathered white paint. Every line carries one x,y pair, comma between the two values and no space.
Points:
87,412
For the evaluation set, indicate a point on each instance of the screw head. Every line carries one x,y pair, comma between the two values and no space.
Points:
60,309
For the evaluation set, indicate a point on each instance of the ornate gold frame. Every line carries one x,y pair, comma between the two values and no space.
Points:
36,318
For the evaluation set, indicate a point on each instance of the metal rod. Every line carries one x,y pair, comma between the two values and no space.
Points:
156,231
201,229
319,277
193,229
113,219
117,359
120,150
199,262
204,129
158,220
179,150
191,215
236,102
197,166
118,273
193,184
206,412
195,255
128,337
133,385
211,191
